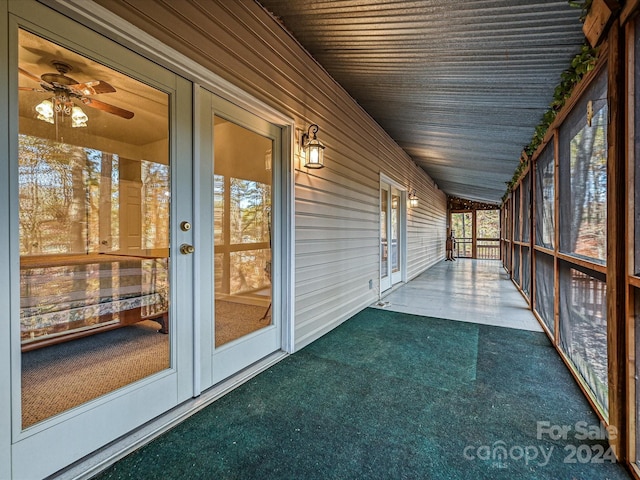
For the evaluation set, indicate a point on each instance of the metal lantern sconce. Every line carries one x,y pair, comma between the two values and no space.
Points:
413,199
313,148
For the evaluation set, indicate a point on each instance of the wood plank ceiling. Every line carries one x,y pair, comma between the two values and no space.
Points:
459,84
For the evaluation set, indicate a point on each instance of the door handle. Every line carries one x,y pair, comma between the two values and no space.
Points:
187,249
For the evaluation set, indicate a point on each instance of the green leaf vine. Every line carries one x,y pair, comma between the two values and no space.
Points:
582,63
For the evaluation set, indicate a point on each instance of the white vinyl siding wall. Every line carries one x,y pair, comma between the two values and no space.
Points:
337,237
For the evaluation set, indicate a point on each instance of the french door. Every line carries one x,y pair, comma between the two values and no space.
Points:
102,301
392,211
240,237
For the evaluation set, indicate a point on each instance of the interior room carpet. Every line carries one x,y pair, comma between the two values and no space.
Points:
389,395
234,320
63,376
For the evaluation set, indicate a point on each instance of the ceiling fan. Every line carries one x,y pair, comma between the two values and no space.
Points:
65,88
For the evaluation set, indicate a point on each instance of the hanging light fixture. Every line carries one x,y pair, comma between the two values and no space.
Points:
413,199
313,148
45,111
58,107
78,117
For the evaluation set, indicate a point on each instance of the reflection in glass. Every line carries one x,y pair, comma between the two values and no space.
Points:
94,194
395,233
384,247
242,231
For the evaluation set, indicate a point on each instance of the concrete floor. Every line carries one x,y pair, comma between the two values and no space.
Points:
477,291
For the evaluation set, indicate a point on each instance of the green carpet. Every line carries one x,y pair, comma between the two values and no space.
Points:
391,396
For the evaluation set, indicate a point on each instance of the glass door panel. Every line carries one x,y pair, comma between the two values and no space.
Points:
242,231
395,232
241,156
94,203
391,255
385,278
102,329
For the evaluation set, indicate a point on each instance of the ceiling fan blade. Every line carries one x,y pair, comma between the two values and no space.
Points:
29,89
92,88
121,112
29,75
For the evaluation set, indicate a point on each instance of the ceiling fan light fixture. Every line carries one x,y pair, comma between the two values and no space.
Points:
78,117
45,111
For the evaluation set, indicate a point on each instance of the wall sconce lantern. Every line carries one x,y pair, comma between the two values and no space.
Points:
413,199
312,147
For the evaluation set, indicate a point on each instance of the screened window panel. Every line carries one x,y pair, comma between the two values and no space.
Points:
544,279
583,327
488,234
583,176
517,232
516,265
526,207
526,272
507,220
545,193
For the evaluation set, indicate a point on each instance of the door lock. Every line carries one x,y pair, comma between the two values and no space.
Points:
185,226
186,249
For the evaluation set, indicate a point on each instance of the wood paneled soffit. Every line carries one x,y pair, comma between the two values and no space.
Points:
456,203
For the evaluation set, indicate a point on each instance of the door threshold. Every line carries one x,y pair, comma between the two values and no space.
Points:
137,438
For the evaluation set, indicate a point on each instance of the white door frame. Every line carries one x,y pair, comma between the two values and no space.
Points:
101,20
400,276
122,410
114,27
216,364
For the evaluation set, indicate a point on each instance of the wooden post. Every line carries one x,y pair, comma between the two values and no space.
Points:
556,237
474,234
616,208
630,291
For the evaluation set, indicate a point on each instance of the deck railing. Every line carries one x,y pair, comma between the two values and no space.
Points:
486,249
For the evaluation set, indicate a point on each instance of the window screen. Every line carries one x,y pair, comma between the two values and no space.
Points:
526,207
544,289
516,265
517,221
545,192
526,272
583,326
583,176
